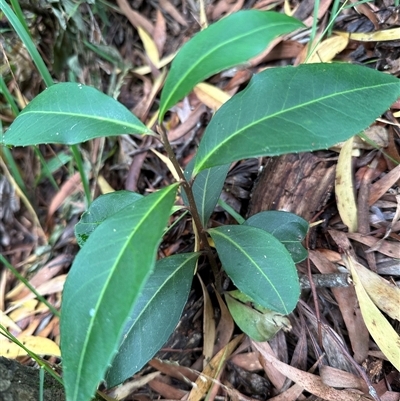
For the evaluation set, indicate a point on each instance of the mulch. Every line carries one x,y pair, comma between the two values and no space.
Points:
328,353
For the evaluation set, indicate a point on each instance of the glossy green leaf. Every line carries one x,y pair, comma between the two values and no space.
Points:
288,228
71,113
101,209
102,287
230,41
260,324
207,188
259,265
296,109
155,316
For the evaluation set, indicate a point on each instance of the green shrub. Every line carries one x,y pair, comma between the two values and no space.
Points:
119,304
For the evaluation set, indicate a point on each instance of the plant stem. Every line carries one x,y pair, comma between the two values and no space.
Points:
192,207
85,181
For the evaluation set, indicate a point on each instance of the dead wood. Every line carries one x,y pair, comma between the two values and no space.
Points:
297,183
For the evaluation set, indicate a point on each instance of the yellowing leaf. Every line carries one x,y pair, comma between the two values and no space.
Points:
210,95
145,69
344,187
212,370
149,46
168,162
36,344
328,49
379,36
23,310
380,329
6,321
385,295
105,187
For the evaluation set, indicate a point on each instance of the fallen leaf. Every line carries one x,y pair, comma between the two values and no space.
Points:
149,46
36,344
378,36
344,187
212,370
380,329
211,96
328,49
385,295
310,382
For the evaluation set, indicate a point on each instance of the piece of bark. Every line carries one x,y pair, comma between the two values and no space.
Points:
19,382
297,183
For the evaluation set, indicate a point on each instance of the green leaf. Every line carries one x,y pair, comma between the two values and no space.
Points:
207,188
101,209
259,265
156,314
102,287
231,41
288,228
260,324
71,113
296,109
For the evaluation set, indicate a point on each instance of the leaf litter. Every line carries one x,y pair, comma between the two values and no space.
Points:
335,351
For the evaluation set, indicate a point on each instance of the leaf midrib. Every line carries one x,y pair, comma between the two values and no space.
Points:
200,60
102,293
253,262
199,168
89,117
170,277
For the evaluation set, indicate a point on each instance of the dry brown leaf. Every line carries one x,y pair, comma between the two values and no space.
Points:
333,345
225,327
190,123
310,382
47,272
377,134
32,326
160,32
387,248
135,18
273,374
385,295
52,286
127,388
323,8
173,12
380,329
379,188
212,370
69,187
208,326
167,391
226,7
174,370
348,305
50,328
339,378
294,392
247,361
